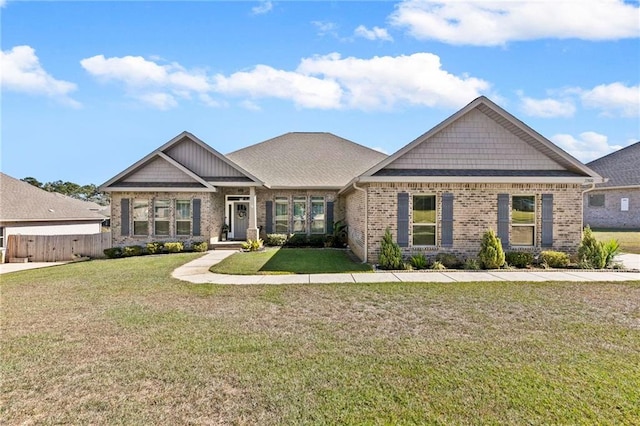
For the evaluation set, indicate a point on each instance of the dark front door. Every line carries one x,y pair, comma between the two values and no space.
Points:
240,220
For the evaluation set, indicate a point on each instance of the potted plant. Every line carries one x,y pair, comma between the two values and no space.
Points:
224,232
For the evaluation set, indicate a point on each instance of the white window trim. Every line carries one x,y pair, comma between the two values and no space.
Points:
523,225
133,216
311,220
286,202
155,219
176,220
435,225
305,219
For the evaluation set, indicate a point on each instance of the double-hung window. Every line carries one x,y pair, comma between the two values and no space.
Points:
317,215
282,215
300,215
424,220
523,220
596,200
183,217
161,214
141,217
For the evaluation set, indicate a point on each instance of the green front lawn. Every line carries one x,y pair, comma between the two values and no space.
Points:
289,261
629,239
120,342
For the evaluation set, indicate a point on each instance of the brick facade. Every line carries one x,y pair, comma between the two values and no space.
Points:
475,210
355,218
611,215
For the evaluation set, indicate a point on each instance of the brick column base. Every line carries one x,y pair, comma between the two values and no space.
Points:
253,233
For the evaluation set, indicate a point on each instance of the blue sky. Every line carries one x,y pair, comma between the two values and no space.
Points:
88,88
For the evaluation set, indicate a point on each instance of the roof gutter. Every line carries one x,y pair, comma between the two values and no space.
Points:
366,220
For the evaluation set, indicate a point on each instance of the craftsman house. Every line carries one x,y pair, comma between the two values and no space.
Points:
481,168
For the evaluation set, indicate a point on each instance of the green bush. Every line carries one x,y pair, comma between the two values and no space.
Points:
519,259
297,240
155,248
276,239
340,234
113,252
252,245
390,254
448,260
438,266
471,264
129,251
591,253
174,247
419,261
611,249
200,247
316,240
554,259
491,254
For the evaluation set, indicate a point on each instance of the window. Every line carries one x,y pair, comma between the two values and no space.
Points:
282,215
424,220
161,212
1,237
299,214
596,200
523,220
317,215
141,217
183,217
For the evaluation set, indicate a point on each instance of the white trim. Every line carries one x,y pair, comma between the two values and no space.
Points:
524,225
471,179
159,189
434,224
610,188
229,210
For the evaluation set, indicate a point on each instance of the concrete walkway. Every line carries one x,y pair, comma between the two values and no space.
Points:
197,271
5,268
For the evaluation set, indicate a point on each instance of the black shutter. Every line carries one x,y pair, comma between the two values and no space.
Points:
503,220
447,219
124,217
403,219
329,217
268,208
547,220
196,217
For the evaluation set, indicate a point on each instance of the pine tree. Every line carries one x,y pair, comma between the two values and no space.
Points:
491,254
390,254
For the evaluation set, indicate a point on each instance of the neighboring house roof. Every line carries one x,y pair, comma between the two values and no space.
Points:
23,202
185,163
621,167
306,160
481,143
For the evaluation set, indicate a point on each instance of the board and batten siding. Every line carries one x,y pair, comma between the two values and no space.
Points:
201,161
158,170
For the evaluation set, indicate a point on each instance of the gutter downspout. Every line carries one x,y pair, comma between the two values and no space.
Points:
366,221
593,186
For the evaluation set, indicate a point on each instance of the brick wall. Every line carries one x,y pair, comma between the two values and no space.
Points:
475,210
610,215
355,218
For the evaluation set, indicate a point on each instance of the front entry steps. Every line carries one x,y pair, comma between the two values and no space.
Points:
226,245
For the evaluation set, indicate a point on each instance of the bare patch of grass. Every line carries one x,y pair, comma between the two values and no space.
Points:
119,341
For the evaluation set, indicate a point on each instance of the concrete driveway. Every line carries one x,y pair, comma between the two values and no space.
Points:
6,268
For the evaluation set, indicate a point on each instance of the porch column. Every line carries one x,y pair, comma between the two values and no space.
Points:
253,233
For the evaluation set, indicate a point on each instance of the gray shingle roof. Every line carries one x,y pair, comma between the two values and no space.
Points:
305,160
622,167
20,201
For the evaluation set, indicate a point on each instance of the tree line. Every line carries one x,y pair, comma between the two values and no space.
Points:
88,192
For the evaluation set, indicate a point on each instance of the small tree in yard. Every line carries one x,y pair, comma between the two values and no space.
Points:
491,254
591,253
390,254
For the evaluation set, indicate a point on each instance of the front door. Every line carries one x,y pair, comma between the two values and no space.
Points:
240,220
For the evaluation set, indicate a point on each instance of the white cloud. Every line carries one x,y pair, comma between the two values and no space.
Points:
22,72
262,8
384,81
547,108
587,147
614,98
152,83
374,34
326,28
490,23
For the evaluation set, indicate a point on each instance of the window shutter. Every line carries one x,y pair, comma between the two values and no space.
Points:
447,220
547,220
268,208
403,219
503,220
124,217
196,217
329,217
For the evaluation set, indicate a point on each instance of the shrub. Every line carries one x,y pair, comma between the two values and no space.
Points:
471,264
113,252
419,261
276,239
297,240
390,254
129,251
611,249
591,253
316,241
438,266
554,259
448,260
154,248
252,245
491,254
174,247
519,259
340,234
200,247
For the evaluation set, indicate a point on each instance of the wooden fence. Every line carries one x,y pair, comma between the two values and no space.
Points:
55,248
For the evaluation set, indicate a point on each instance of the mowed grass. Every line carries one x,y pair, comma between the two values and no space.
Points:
629,239
289,261
120,342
